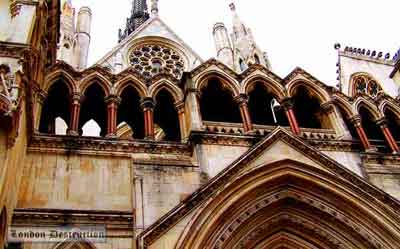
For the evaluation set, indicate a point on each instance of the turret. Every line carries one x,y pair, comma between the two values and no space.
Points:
244,47
83,37
223,44
67,31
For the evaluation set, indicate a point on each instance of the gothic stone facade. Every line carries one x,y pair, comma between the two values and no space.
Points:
170,151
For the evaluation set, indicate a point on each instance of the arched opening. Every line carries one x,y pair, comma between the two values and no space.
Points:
263,107
94,110
56,105
347,120
61,126
307,108
242,65
130,118
217,103
166,120
372,130
285,198
257,59
393,123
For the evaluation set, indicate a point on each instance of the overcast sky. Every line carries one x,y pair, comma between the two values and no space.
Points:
293,32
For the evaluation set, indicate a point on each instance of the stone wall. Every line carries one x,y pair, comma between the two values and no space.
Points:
76,182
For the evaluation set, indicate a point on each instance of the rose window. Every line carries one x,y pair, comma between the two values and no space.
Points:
151,60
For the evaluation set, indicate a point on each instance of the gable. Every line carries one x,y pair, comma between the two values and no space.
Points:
152,29
280,148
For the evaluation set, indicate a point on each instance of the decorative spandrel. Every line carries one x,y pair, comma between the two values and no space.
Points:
152,60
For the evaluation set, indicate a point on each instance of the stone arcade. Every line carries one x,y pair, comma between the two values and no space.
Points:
168,150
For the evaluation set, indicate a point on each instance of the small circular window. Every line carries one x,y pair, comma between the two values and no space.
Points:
151,60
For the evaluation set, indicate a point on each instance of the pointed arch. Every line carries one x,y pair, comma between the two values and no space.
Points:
275,87
217,103
74,245
345,105
130,112
291,196
389,105
131,80
98,78
167,85
307,109
166,117
57,104
227,81
371,107
392,116
94,107
60,75
312,88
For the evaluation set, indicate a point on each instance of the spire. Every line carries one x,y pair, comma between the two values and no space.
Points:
139,15
239,29
154,7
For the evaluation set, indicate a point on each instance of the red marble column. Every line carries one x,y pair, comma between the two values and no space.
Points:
356,121
148,112
388,135
75,112
112,109
294,126
244,112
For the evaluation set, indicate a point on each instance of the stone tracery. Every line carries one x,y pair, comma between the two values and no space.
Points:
151,60
363,83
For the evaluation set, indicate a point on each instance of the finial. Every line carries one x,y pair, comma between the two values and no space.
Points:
154,7
232,6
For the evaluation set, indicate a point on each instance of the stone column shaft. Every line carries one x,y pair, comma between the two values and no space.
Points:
361,133
148,112
388,136
244,112
75,113
112,110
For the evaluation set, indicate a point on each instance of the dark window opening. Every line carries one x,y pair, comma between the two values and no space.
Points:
393,124
166,120
257,59
308,110
130,121
242,65
93,116
262,108
372,130
56,105
217,104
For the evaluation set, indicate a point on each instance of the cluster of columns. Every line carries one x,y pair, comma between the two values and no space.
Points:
242,101
382,123
147,104
287,104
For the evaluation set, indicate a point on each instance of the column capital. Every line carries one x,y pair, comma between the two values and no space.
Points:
382,122
241,99
77,97
148,103
113,99
287,103
42,96
356,120
180,106
328,106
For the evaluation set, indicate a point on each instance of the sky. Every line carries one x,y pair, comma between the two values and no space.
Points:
294,33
